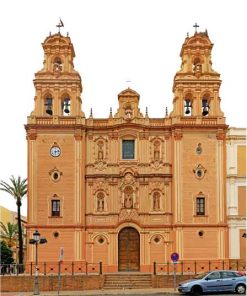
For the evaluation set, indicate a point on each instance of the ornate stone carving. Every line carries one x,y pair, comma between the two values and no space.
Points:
155,186
199,172
129,215
100,185
100,153
128,189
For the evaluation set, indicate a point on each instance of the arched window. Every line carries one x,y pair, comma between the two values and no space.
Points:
156,201
197,66
205,105
66,106
100,202
188,105
57,65
48,105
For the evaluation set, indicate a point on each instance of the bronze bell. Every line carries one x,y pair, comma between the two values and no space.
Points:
205,107
188,106
66,106
205,111
49,110
187,111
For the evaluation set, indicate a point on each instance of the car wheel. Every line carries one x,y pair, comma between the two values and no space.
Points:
196,290
240,289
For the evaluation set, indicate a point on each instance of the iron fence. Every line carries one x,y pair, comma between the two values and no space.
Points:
197,266
75,267
52,268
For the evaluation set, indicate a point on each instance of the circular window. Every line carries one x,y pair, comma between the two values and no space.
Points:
199,173
201,233
101,240
55,175
56,234
157,239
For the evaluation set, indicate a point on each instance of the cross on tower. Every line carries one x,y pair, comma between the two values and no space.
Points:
60,25
196,26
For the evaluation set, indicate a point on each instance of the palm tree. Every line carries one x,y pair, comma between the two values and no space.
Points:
9,233
18,189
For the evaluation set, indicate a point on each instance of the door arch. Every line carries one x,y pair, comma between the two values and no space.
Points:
128,249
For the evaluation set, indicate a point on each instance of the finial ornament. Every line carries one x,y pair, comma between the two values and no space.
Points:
60,24
110,112
196,26
146,113
91,112
166,111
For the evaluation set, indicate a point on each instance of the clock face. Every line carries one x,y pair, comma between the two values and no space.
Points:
55,151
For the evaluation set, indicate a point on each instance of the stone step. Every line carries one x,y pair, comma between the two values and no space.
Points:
127,281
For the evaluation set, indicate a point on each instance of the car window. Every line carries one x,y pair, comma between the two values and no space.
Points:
201,275
213,276
227,274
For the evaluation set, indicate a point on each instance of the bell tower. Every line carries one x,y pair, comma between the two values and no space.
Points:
58,85
199,158
196,84
56,154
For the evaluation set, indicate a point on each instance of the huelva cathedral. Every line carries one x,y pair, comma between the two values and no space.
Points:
128,190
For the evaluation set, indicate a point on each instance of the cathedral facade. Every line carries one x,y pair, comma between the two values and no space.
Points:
127,190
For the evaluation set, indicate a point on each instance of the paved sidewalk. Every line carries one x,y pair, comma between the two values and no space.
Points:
158,291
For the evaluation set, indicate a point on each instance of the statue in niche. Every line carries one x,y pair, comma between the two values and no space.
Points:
156,201
100,202
128,198
128,112
156,150
100,151
57,66
197,67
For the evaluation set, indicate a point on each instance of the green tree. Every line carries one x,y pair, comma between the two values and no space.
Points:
18,189
6,253
9,233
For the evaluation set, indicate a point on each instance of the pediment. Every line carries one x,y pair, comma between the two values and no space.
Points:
128,93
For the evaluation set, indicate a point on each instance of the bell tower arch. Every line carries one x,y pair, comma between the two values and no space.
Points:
56,154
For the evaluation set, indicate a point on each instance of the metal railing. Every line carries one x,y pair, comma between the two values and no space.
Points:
74,267
52,268
197,266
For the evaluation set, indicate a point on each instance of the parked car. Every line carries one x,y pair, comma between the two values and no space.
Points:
215,281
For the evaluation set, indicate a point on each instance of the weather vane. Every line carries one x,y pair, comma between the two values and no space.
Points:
60,25
196,26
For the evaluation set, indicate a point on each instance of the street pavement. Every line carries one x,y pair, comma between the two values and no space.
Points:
129,292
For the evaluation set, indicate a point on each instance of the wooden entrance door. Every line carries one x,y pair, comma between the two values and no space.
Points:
128,250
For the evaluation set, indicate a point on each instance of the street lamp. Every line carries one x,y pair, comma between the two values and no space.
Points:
36,240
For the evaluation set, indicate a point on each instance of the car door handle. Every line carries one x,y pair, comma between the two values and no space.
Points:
218,281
